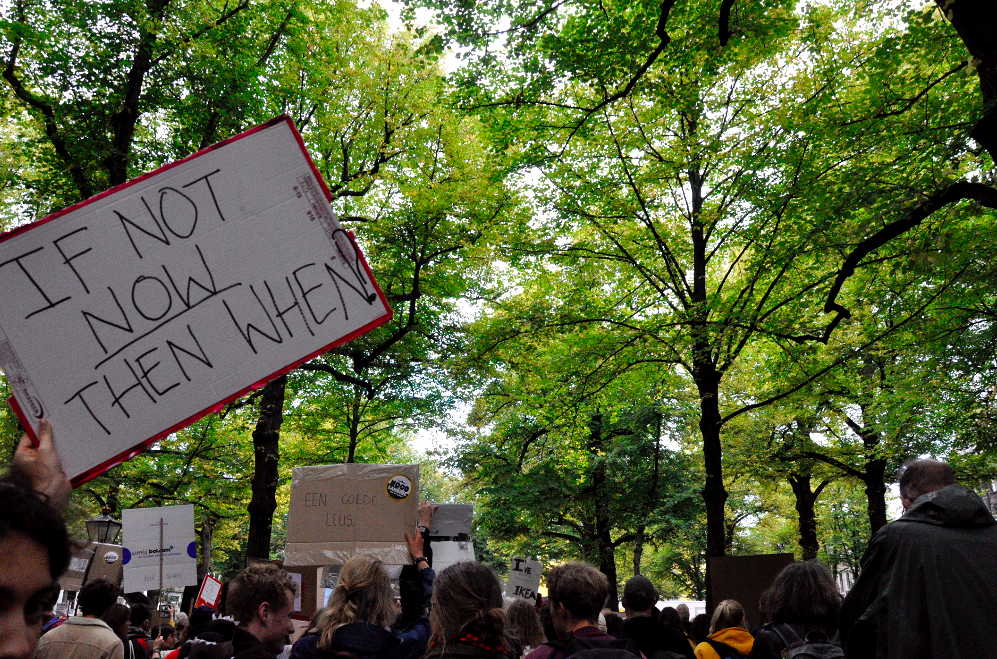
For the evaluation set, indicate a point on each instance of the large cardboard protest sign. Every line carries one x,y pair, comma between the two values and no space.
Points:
136,312
524,578
339,511
159,547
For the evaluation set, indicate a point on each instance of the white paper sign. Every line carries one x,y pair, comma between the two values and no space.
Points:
142,550
524,578
135,313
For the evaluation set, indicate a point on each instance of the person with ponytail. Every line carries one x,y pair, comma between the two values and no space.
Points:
360,620
467,617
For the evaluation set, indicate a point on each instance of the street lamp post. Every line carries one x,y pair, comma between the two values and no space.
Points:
103,528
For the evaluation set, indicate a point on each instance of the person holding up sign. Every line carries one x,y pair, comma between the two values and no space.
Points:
360,619
34,544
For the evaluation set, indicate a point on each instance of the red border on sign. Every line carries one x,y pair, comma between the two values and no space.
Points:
138,448
200,593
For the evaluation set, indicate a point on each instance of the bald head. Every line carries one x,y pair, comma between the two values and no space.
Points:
923,476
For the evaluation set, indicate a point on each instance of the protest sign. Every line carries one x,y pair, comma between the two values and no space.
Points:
451,535
339,511
524,578
158,547
309,597
452,521
136,312
210,593
91,562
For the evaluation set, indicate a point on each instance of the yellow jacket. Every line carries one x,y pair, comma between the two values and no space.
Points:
736,637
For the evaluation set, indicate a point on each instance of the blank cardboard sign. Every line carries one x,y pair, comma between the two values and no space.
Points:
339,511
136,312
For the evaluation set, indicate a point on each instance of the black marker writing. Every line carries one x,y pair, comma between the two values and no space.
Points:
49,303
68,260
79,394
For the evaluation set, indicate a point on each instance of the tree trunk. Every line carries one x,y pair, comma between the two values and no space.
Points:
638,550
267,451
976,23
875,491
351,456
805,500
603,525
203,568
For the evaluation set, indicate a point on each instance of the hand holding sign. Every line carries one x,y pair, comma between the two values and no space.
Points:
40,465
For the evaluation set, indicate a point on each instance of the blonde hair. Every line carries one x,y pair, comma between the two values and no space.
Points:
363,594
729,613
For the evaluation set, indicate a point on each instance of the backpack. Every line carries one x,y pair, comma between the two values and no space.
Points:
725,651
593,648
666,654
816,644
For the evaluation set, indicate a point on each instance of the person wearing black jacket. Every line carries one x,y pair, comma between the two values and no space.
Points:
642,625
802,603
927,579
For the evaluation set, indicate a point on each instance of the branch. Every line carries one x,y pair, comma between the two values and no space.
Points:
206,28
48,114
978,192
663,41
911,101
820,457
340,376
562,536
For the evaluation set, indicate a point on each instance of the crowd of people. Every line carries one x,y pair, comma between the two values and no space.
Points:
925,590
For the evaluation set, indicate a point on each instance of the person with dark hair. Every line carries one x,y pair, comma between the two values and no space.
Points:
642,625
85,636
699,628
547,621
801,606
138,644
260,600
197,624
670,617
926,576
577,593
34,545
361,618
117,618
523,624
614,623
466,618
729,636
165,635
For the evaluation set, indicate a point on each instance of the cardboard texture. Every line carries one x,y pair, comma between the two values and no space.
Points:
94,561
744,578
452,521
136,312
524,578
72,578
308,599
140,528
108,562
339,511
